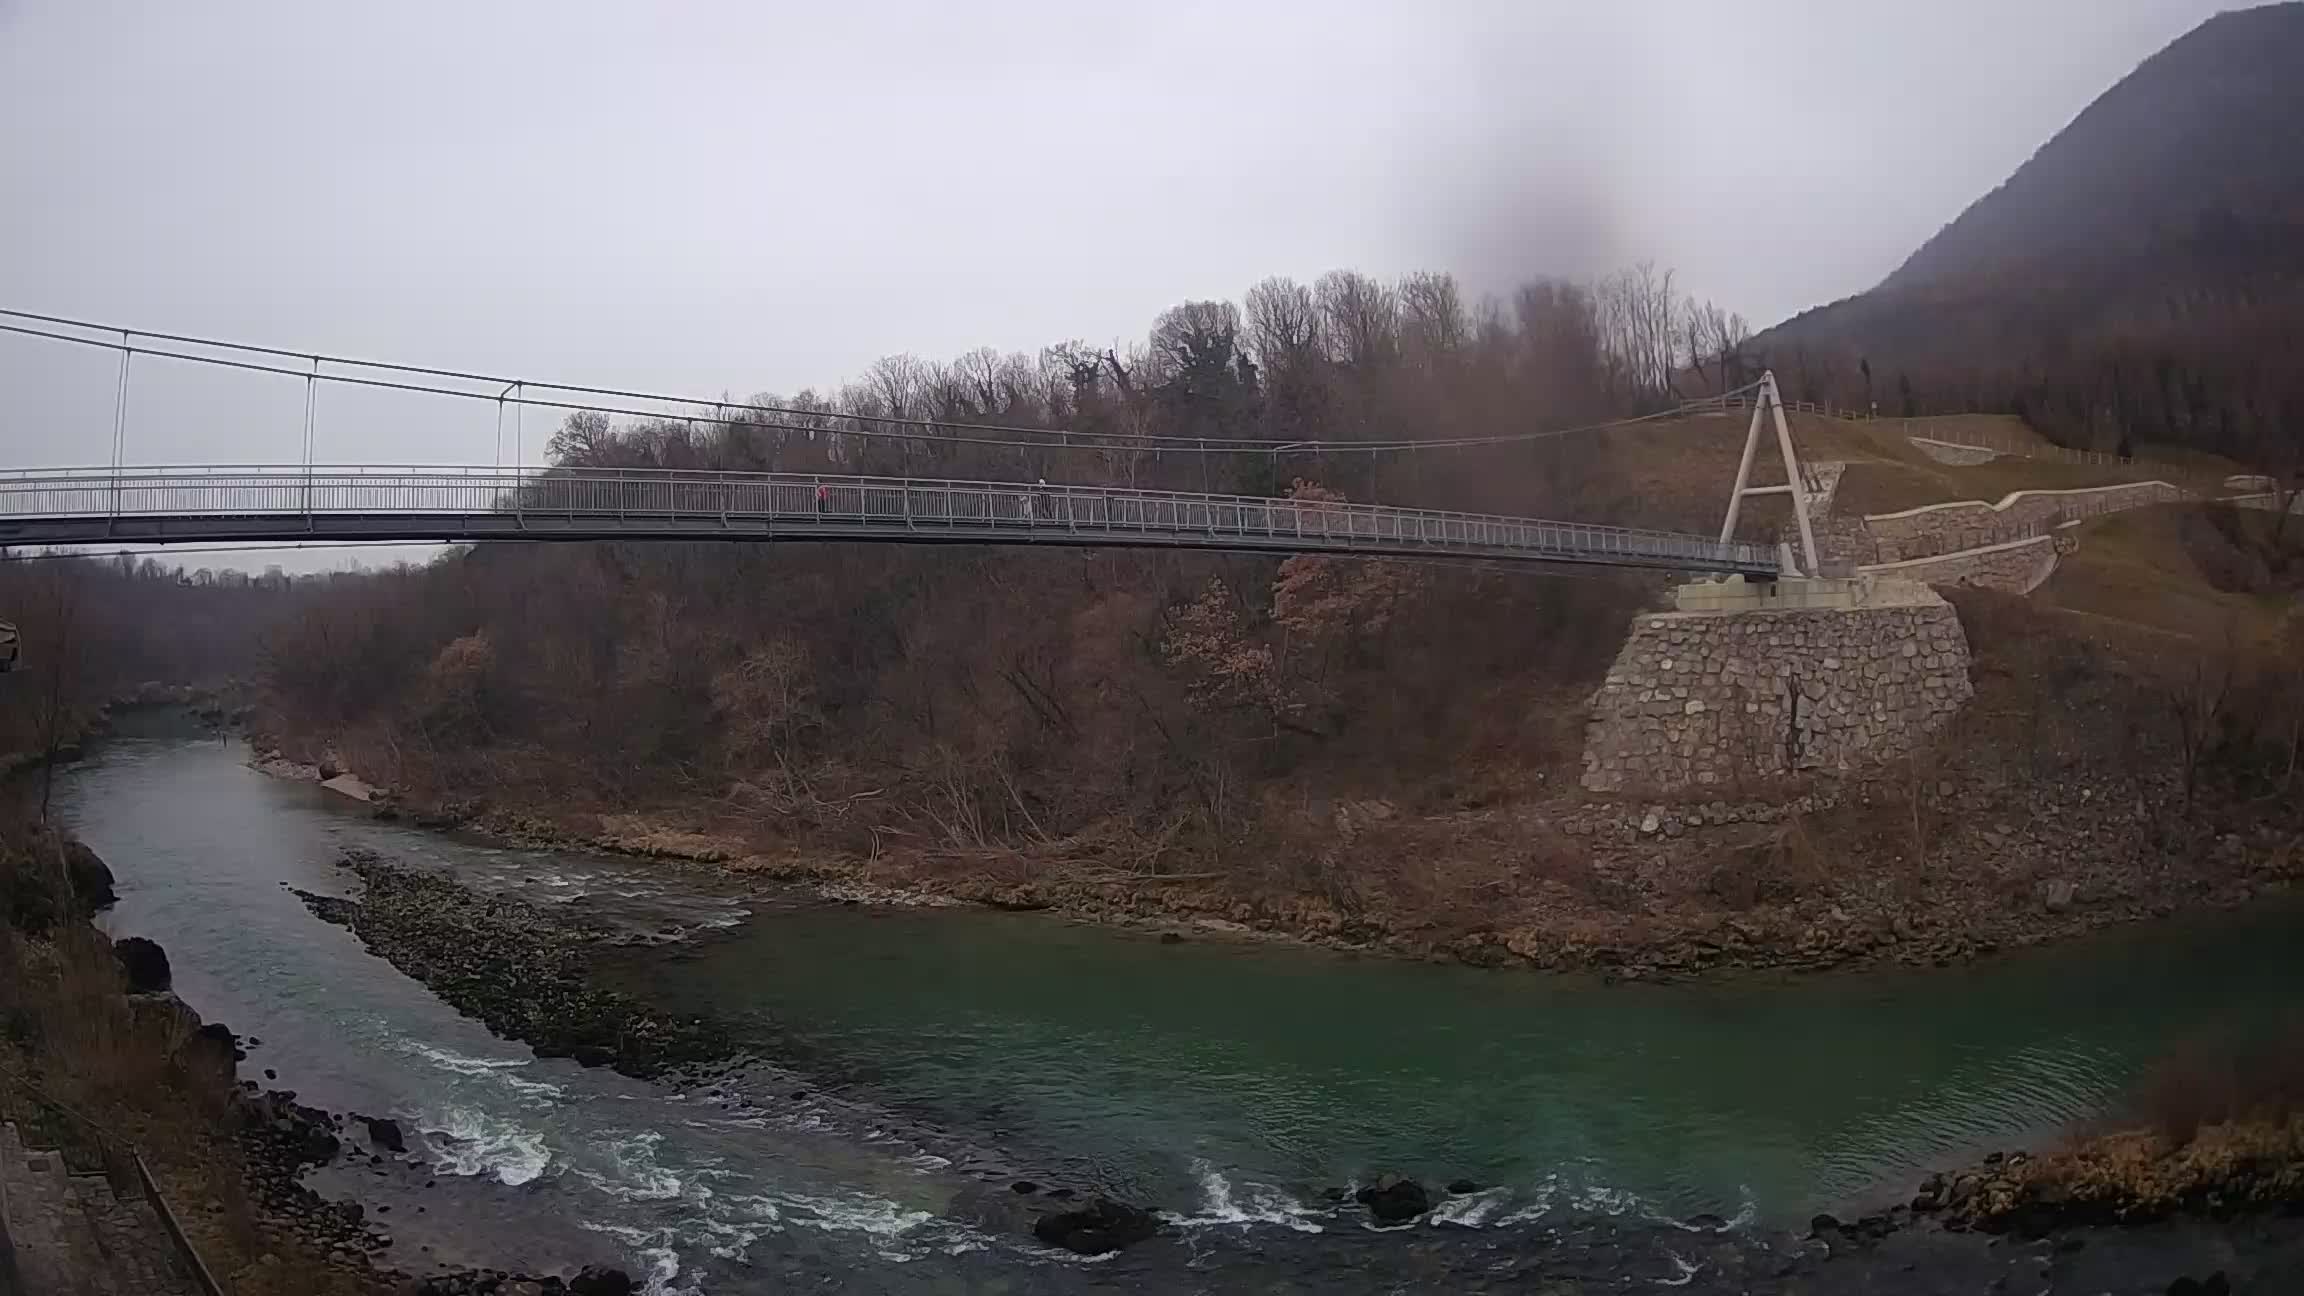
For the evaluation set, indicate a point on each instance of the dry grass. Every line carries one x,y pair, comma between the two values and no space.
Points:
1889,486
1676,472
130,1066
2217,1125
2173,570
2220,1081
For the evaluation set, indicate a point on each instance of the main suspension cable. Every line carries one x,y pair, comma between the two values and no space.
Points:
820,421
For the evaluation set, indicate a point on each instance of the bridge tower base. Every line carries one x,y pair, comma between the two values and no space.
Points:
1746,684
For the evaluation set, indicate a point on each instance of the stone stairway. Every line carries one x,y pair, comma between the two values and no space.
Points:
73,1236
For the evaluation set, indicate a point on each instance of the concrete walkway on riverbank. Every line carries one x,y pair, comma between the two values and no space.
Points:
70,1235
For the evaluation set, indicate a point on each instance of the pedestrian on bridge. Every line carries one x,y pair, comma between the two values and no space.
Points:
823,498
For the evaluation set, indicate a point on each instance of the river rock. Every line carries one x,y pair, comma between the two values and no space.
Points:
385,1133
600,1280
1101,1226
91,880
517,967
2057,894
1393,1200
213,1045
145,963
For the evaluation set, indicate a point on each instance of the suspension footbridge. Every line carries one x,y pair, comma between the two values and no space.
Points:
124,504
182,504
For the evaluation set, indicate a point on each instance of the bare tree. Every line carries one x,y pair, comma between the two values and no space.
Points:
2198,698
1640,332
1283,326
1714,344
61,675
1360,320
1433,321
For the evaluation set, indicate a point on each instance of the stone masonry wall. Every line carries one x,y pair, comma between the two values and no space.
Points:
1711,701
1942,528
2017,567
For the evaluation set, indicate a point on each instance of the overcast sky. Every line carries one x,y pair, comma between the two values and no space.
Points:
741,196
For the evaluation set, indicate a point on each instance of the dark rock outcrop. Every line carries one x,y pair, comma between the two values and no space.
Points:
1393,1200
91,880
217,1042
599,1280
145,964
384,1132
1102,1225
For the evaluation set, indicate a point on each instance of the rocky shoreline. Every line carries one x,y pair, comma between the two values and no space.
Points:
2090,837
2128,1177
523,971
514,966
1808,937
282,1139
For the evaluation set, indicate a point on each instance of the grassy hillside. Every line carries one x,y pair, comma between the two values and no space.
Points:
2189,575
1675,473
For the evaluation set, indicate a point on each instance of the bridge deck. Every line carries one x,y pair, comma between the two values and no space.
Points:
175,505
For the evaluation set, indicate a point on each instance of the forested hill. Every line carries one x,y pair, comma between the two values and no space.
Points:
2204,139
2140,279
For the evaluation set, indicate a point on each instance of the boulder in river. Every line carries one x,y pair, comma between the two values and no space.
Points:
1393,1200
91,880
145,963
600,1280
384,1132
316,1146
1101,1226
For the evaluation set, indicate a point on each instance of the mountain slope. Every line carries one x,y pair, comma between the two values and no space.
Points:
2203,142
2140,279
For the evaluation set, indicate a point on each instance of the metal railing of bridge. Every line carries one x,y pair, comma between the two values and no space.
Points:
164,504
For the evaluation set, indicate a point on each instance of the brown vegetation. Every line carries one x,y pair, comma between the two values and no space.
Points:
132,1067
1147,713
2217,1127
